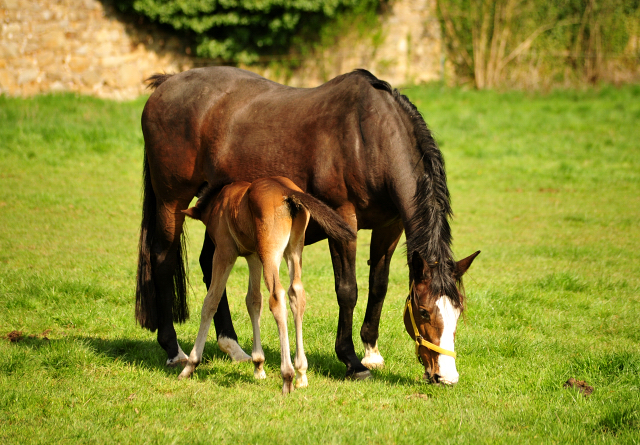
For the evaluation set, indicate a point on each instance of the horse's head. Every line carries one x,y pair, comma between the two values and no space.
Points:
431,320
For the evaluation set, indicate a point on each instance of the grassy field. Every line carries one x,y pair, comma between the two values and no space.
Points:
548,187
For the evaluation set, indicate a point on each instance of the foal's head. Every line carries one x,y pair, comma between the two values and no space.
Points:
431,320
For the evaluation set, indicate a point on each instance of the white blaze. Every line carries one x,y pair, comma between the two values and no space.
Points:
447,364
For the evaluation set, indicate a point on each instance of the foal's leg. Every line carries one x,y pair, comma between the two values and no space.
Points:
254,307
278,307
222,265
297,297
225,333
383,244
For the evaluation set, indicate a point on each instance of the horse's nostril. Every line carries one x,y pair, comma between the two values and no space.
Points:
436,378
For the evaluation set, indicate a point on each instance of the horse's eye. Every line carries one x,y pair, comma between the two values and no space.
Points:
424,314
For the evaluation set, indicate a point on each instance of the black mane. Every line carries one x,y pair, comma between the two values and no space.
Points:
431,233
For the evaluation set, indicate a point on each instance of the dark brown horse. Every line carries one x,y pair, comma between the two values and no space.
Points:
354,143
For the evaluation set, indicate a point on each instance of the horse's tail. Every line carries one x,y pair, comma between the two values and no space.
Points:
146,313
325,216
146,307
156,80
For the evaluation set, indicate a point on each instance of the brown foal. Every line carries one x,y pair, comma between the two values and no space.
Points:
262,221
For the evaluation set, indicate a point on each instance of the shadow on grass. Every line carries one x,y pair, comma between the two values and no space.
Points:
147,354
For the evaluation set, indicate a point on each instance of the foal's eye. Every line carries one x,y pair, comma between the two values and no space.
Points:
424,314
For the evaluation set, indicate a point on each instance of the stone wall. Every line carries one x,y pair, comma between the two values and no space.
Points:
410,50
85,46
80,46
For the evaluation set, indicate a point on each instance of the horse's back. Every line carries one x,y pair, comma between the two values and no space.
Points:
223,124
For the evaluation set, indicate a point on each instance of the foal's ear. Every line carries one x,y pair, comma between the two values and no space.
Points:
421,270
463,265
193,212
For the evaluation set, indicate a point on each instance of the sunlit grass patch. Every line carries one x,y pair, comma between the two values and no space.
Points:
546,186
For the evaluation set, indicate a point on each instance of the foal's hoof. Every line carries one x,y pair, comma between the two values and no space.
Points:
185,374
301,381
287,387
234,350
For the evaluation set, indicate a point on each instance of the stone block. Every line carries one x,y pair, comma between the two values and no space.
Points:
28,75
129,75
9,50
7,80
79,63
53,40
91,78
9,4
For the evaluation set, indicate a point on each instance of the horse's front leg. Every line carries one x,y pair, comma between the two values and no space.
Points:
343,257
225,333
221,266
383,244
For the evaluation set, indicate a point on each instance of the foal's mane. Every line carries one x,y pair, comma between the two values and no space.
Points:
431,234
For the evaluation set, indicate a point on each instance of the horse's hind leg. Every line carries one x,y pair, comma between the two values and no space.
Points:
297,297
225,333
221,267
278,307
254,307
383,244
166,261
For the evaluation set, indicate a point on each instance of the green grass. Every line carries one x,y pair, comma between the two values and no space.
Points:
547,186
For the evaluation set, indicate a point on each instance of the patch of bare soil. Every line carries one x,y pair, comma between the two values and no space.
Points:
16,336
580,385
418,396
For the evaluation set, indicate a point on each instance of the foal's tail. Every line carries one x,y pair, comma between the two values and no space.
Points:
146,307
325,216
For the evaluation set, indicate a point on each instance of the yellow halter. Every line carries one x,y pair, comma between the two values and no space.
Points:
420,341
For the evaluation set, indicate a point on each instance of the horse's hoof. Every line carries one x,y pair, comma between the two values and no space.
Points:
176,363
362,375
373,361
259,374
234,350
372,358
178,360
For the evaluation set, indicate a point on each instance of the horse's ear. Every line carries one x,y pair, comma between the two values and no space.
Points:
463,265
419,267
193,212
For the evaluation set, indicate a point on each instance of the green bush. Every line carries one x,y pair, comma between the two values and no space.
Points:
242,30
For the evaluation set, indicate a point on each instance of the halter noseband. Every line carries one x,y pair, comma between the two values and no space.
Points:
420,341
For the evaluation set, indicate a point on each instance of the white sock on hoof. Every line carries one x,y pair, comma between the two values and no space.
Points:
372,358
179,359
234,350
